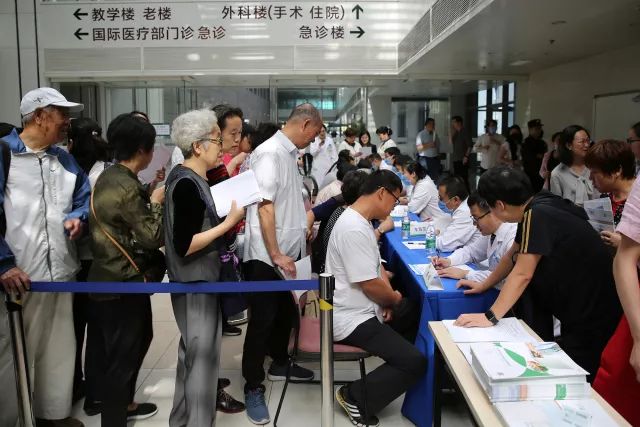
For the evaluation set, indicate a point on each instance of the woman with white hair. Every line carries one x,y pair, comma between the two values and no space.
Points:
195,245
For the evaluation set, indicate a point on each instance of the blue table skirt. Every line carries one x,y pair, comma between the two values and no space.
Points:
436,305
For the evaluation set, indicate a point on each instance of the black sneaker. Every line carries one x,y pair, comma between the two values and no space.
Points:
227,404
231,331
298,373
223,383
239,319
352,410
142,411
92,408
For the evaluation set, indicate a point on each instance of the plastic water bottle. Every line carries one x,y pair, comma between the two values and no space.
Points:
430,240
406,226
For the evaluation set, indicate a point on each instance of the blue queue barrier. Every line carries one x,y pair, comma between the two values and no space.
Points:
325,286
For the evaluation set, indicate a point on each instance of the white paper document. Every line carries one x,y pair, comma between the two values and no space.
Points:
432,279
419,269
600,214
415,244
554,413
161,155
400,211
508,329
366,151
242,188
465,349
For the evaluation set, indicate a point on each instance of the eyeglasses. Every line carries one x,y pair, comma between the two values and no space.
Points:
632,140
394,196
477,220
586,141
217,140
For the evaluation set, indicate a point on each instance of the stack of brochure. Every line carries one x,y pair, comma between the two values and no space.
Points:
511,371
554,413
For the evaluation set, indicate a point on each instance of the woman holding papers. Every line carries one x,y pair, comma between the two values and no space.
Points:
195,252
618,379
423,200
570,179
612,166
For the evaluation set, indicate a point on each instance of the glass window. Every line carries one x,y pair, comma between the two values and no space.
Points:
482,117
482,98
496,93
512,92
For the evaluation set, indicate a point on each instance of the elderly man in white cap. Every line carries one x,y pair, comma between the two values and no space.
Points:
44,196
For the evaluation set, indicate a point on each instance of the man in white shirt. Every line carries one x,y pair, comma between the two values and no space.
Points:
497,238
428,147
275,237
324,153
489,145
364,302
452,191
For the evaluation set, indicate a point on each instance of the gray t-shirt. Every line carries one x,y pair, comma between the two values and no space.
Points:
425,137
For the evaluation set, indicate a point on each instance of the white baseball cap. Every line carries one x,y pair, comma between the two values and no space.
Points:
45,96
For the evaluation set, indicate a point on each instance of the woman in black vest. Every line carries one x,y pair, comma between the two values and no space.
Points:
195,252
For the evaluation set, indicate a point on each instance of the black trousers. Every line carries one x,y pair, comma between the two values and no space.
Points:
404,364
432,165
126,332
269,327
461,170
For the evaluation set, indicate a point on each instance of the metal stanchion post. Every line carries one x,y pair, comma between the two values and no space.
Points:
23,385
327,285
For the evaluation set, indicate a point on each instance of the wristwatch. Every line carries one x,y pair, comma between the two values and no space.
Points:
380,231
491,317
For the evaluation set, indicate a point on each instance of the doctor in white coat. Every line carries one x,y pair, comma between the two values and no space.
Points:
423,199
497,238
324,153
460,232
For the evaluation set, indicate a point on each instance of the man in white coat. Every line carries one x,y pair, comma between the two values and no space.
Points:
497,238
460,232
324,153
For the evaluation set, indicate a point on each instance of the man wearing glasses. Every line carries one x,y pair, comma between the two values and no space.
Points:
366,308
497,238
634,141
460,232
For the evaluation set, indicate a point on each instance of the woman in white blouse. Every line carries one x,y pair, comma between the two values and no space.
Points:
570,179
384,133
423,200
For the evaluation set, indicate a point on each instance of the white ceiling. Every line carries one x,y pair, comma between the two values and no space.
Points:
506,31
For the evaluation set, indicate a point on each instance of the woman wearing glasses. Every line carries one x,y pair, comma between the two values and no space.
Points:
195,241
570,179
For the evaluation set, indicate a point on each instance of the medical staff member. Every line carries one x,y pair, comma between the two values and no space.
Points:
452,191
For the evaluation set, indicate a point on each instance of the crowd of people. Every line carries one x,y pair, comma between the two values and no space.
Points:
82,214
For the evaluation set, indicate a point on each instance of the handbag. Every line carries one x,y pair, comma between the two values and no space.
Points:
154,259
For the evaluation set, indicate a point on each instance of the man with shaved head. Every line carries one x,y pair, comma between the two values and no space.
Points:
274,240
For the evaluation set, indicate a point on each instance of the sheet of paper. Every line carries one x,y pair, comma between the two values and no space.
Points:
161,156
554,413
400,211
600,214
420,268
397,224
432,279
303,272
242,188
366,151
465,348
415,244
508,329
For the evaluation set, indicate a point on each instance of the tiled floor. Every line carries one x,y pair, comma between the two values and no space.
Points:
301,406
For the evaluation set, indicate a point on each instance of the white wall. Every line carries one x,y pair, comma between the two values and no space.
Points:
564,94
10,81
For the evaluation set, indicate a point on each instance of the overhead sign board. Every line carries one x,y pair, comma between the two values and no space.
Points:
176,24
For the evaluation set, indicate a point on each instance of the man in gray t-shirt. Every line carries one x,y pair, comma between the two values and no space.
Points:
428,147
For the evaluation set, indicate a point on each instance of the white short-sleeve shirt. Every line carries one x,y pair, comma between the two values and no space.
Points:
352,257
274,163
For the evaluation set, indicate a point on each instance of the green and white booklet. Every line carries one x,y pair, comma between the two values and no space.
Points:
511,371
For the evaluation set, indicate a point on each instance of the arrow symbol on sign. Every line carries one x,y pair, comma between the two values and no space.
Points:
78,33
78,14
357,9
360,32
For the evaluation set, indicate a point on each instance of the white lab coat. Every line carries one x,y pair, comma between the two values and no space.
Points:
324,156
353,149
387,144
482,250
424,200
460,231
